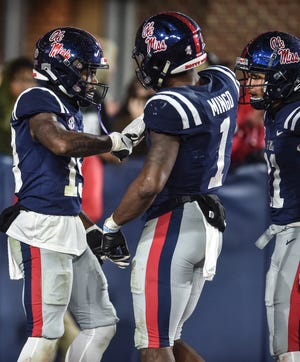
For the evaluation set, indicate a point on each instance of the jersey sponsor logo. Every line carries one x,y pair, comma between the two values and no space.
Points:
221,103
151,41
278,133
286,55
289,241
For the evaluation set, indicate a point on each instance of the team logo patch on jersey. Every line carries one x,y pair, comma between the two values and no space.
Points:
71,123
151,41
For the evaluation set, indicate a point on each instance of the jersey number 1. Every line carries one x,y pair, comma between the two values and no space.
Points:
216,180
276,200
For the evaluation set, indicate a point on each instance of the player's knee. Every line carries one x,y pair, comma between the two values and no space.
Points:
91,342
100,336
53,323
38,349
103,334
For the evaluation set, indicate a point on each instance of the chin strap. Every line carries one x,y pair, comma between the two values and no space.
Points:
52,78
100,120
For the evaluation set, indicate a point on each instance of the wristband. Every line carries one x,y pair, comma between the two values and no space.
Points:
110,226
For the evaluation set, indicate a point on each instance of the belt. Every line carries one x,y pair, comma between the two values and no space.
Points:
210,205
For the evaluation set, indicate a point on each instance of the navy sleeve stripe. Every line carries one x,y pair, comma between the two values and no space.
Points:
14,116
177,106
229,73
292,119
169,97
61,105
189,104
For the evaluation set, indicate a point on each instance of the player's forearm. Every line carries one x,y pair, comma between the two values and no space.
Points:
45,128
87,222
132,205
80,145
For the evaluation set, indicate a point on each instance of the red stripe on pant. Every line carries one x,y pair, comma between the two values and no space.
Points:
151,292
36,292
294,317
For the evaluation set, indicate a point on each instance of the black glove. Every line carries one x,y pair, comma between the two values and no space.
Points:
114,248
94,237
111,247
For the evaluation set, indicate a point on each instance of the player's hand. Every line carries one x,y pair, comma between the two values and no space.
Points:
115,249
114,246
121,145
94,236
135,130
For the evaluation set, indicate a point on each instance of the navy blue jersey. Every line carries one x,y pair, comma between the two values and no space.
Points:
204,117
283,157
45,183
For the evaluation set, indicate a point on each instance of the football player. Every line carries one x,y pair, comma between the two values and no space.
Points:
189,124
270,65
47,229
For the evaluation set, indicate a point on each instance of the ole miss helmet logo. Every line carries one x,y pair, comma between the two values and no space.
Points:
57,48
151,41
286,55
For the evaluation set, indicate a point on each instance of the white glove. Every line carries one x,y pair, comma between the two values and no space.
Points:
121,145
135,130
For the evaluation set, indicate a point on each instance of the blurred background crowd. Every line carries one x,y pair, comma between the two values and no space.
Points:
226,25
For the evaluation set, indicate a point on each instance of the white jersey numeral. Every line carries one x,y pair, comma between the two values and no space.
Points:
276,200
72,189
216,180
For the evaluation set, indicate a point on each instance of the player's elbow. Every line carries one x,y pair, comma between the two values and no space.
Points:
62,148
149,188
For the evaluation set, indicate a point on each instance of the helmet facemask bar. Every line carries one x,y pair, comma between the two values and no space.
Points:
88,90
246,75
143,78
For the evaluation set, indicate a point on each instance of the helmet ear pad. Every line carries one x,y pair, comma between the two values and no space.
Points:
280,86
68,80
160,69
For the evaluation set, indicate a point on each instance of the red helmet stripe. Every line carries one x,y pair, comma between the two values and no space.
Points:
191,26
